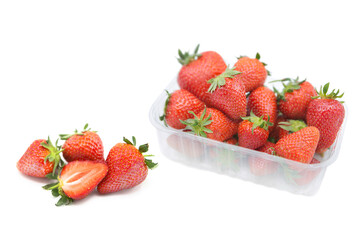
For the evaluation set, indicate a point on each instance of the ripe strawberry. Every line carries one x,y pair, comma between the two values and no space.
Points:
253,131
77,180
327,114
295,97
260,166
211,123
301,176
228,94
84,145
253,72
40,159
232,141
274,134
290,126
177,107
128,167
262,102
299,146
197,69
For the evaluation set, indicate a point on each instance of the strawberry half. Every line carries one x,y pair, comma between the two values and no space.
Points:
77,180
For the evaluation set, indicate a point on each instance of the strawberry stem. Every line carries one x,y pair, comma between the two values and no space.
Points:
162,118
258,122
289,87
220,80
67,136
324,95
198,125
54,154
142,149
292,125
185,58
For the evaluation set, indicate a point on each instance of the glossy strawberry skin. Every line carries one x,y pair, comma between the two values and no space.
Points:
260,166
253,72
180,103
79,178
32,163
195,75
84,147
299,146
222,127
127,169
296,103
230,99
327,115
249,139
262,102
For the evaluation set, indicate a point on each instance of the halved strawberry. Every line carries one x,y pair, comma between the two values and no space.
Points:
77,180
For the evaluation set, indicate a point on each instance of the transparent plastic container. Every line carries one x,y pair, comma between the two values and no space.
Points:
239,162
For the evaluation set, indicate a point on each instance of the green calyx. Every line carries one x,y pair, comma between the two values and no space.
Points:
198,125
185,58
257,56
54,154
56,190
142,149
162,118
219,81
258,122
323,93
289,85
67,136
292,125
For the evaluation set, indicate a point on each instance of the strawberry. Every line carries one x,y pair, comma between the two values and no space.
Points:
274,134
232,141
197,69
301,176
253,131
295,97
290,126
327,114
253,72
177,107
211,123
84,145
41,158
128,167
228,94
262,102
77,180
261,166
299,146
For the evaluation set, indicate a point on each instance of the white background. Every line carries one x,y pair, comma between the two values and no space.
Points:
67,63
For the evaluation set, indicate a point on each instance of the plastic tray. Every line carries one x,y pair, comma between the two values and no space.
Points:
235,161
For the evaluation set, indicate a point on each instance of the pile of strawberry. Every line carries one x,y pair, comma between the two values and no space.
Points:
82,166
232,105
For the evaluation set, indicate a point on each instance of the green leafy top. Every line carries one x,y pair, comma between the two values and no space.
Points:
219,81
54,154
162,118
292,125
67,136
198,125
258,122
56,190
289,86
142,149
185,58
323,93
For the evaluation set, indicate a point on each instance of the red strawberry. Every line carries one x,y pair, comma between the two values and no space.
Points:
299,146
274,134
232,141
228,94
327,114
197,69
253,131
211,123
177,107
77,180
290,126
253,72
307,176
128,167
260,166
262,102
40,159
295,97
84,145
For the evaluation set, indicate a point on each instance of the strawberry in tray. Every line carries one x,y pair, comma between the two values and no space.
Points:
128,167
40,159
253,131
211,123
261,166
290,126
177,107
76,181
84,145
295,97
252,72
197,70
327,114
